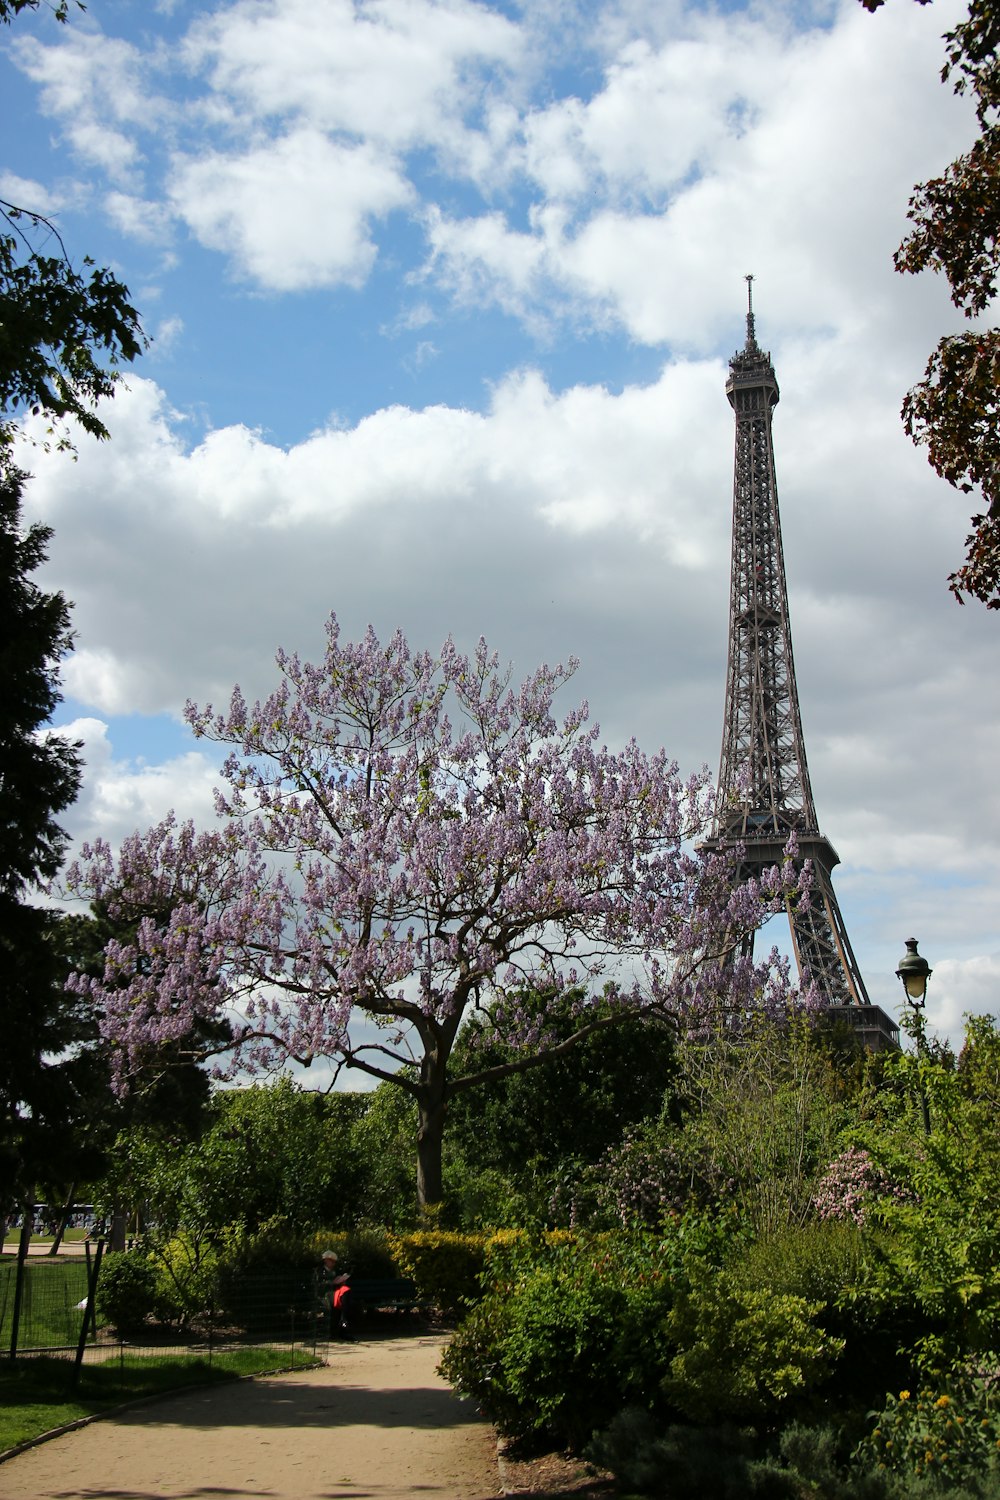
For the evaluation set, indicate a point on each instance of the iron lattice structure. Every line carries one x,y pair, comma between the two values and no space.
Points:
764,794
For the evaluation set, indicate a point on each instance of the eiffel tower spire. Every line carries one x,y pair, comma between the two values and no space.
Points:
764,793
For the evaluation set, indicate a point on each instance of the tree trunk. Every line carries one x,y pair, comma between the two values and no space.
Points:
119,1223
430,1116
67,1209
430,1139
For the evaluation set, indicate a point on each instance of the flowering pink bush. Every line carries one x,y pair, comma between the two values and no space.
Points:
850,1185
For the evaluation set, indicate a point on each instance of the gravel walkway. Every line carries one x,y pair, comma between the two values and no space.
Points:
377,1423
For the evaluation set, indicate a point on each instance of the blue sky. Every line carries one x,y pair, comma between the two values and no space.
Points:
441,297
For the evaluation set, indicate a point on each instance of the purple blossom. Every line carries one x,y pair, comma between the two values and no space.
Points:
851,1185
404,837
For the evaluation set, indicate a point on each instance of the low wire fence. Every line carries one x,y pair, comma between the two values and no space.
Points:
271,1320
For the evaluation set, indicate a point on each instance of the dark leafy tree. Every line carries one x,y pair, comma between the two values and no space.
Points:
59,8
39,779
64,333
955,410
538,1129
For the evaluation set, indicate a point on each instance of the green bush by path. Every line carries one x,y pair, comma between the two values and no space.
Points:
446,1266
743,1355
126,1290
570,1330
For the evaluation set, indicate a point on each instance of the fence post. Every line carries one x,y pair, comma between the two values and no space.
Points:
90,1311
27,1221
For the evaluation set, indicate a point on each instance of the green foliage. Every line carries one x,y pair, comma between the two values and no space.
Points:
839,1265
520,1142
818,1261
691,1463
366,1251
63,333
275,1151
684,1463
445,1265
569,1329
760,1118
126,1290
382,1138
263,1154
941,1235
948,1438
187,1270
742,1354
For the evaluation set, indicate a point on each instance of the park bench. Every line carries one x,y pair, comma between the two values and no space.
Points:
388,1294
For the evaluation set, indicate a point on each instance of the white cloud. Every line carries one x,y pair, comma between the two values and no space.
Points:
737,133
96,86
138,217
504,491
167,335
586,523
399,72
960,987
24,193
292,213
119,797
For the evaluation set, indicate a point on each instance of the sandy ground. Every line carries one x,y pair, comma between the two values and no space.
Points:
378,1423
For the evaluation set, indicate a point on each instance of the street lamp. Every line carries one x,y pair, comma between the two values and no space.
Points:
914,972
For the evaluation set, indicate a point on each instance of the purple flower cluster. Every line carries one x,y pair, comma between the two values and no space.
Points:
851,1185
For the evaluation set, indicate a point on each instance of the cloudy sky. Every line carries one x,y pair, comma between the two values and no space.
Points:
442,296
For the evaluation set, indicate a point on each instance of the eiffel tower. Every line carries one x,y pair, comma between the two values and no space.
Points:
764,794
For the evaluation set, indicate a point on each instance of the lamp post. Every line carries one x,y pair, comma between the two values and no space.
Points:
913,973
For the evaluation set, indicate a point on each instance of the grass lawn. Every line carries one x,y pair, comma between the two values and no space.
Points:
50,1312
34,1394
13,1236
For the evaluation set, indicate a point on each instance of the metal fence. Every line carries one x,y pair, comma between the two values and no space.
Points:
269,1321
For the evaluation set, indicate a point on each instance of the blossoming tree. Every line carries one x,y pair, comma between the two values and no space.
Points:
406,838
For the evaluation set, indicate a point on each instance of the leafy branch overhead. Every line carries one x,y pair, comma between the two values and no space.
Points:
64,334
955,410
59,8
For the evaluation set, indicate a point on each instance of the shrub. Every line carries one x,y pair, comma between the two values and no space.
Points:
743,1354
536,1360
126,1290
686,1463
569,1329
852,1185
187,1270
840,1265
694,1463
445,1266
365,1252
949,1439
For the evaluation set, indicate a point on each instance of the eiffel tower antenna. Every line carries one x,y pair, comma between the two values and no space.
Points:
751,335
764,793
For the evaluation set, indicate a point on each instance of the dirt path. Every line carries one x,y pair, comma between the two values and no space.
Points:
378,1423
